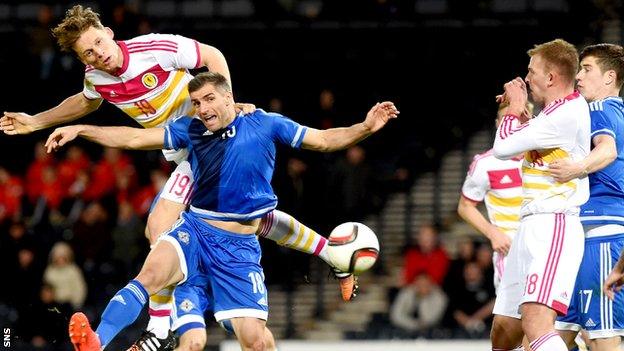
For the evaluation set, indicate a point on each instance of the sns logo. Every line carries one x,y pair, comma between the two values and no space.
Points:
7,337
149,80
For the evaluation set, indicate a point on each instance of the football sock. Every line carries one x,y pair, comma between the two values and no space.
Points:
160,311
289,232
549,342
121,311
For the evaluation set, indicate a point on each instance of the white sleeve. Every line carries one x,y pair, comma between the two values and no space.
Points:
177,52
542,132
476,184
89,90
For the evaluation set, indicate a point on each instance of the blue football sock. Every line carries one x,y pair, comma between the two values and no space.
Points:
121,311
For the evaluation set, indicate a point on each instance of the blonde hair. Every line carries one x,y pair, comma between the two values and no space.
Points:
77,20
560,56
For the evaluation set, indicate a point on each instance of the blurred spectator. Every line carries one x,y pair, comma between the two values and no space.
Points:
34,174
351,186
471,305
128,238
26,281
44,323
142,200
65,276
484,258
74,162
104,175
327,114
427,257
465,254
42,44
11,192
91,240
276,105
418,306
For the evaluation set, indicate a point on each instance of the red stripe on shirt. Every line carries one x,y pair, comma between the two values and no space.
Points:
153,48
199,61
133,88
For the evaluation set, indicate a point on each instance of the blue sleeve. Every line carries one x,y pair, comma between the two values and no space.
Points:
176,133
603,122
286,131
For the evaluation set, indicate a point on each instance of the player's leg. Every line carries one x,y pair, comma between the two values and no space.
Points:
569,326
555,244
269,340
506,333
604,319
171,201
161,267
237,283
193,340
287,231
250,333
191,299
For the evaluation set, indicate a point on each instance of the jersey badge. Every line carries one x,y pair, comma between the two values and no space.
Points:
186,305
183,237
149,80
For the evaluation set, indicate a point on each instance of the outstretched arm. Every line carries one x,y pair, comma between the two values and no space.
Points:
603,153
333,139
70,109
117,137
214,60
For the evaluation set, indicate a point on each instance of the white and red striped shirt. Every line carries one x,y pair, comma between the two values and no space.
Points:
150,87
561,130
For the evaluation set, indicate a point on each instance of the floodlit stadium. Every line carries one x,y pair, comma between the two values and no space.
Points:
302,175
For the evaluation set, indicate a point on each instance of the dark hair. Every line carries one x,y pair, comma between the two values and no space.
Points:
77,20
214,78
608,57
560,56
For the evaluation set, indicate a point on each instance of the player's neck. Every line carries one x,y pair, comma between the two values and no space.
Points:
558,93
606,94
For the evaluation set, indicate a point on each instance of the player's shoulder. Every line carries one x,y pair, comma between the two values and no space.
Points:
606,104
148,38
481,160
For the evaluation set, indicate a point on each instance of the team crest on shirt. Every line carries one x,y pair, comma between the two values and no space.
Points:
186,305
183,237
149,80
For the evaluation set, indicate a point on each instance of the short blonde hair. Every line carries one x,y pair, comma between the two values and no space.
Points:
77,20
560,56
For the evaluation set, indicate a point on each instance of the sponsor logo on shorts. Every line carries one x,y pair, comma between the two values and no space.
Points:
186,305
184,236
590,323
263,301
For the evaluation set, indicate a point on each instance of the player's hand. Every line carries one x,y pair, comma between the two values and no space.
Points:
517,96
13,123
564,170
500,241
614,283
244,108
60,137
379,115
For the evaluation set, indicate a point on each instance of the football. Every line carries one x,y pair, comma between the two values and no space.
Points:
353,247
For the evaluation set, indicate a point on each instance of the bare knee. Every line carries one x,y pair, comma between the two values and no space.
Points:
537,320
151,278
193,340
506,332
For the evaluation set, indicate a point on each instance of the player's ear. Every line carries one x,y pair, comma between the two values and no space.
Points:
109,32
611,77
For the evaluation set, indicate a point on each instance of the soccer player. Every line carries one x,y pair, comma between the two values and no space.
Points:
544,259
499,184
232,158
146,78
599,80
